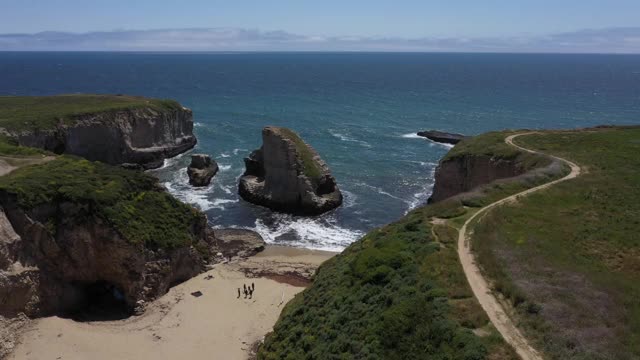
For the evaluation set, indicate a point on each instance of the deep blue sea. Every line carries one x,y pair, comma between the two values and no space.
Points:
358,110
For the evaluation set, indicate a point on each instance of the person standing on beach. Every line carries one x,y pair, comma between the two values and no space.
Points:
250,293
253,287
245,287
246,293
238,294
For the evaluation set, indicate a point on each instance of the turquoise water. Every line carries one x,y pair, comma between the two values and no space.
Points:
358,110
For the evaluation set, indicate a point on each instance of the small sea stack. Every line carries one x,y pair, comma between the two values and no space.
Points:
201,170
442,137
287,175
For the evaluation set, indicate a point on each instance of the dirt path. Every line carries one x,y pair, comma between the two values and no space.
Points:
479,284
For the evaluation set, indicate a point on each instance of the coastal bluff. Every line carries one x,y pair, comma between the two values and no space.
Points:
287,175
115,129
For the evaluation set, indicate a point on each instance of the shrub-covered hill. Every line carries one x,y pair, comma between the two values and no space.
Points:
130,201
569,257
46,112
400,292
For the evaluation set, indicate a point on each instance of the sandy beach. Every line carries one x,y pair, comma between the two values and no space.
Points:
179,325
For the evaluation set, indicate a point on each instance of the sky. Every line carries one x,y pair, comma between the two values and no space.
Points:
331,24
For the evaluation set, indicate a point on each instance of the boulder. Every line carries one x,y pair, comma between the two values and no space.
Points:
201,170
238,242
286,174
442,137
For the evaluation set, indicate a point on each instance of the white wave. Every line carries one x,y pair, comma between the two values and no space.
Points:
197,124
224,155
435,144
421,197
349,199
310,233
412,136
381,191
237,151
224,167
344,137
226,189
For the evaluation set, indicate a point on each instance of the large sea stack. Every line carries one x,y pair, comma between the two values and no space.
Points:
287,175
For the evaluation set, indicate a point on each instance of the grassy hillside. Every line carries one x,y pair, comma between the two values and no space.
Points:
131,201
568,257
400,292
45,112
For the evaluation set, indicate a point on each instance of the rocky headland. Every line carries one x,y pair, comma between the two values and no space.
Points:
286,174
201,170
109,128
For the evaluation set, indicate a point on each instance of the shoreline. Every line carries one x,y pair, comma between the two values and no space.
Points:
182,323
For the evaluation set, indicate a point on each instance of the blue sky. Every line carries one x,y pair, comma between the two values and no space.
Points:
408,18
464,20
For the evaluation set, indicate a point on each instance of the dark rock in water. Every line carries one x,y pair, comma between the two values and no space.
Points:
238,242
201,170
442,137
287,175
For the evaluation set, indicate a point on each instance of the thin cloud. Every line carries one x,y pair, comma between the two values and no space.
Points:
613,40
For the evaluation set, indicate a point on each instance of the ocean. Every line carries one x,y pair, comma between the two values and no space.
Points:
360,111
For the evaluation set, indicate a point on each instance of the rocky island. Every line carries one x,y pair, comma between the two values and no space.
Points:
115,129
201,170
442,137
286,174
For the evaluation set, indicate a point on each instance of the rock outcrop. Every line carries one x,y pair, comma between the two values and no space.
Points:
442,137
44,272
201,170
464,173
238,242
287,175
144,136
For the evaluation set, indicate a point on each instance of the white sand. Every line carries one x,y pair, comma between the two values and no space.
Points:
215,325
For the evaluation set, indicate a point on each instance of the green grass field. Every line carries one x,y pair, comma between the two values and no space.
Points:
45,112
568,257
131,201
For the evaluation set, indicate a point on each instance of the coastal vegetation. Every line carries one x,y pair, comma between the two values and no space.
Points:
310,169
132,201
568,258
400,292
45,112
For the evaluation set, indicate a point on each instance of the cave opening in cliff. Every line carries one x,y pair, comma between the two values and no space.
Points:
99,301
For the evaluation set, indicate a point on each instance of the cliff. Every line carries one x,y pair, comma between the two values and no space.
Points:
76,234
288,175
111,129
479,161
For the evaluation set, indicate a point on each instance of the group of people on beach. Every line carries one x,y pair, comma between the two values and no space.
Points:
248,291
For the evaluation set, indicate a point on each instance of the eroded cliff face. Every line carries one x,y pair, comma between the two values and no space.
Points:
464,173
139,136
287,175
57,269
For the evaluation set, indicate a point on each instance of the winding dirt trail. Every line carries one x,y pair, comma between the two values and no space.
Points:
479,284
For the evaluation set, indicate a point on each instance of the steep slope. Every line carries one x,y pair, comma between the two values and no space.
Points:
114,129
75,232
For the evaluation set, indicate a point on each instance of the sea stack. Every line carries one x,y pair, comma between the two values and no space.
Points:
287,175
201,170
